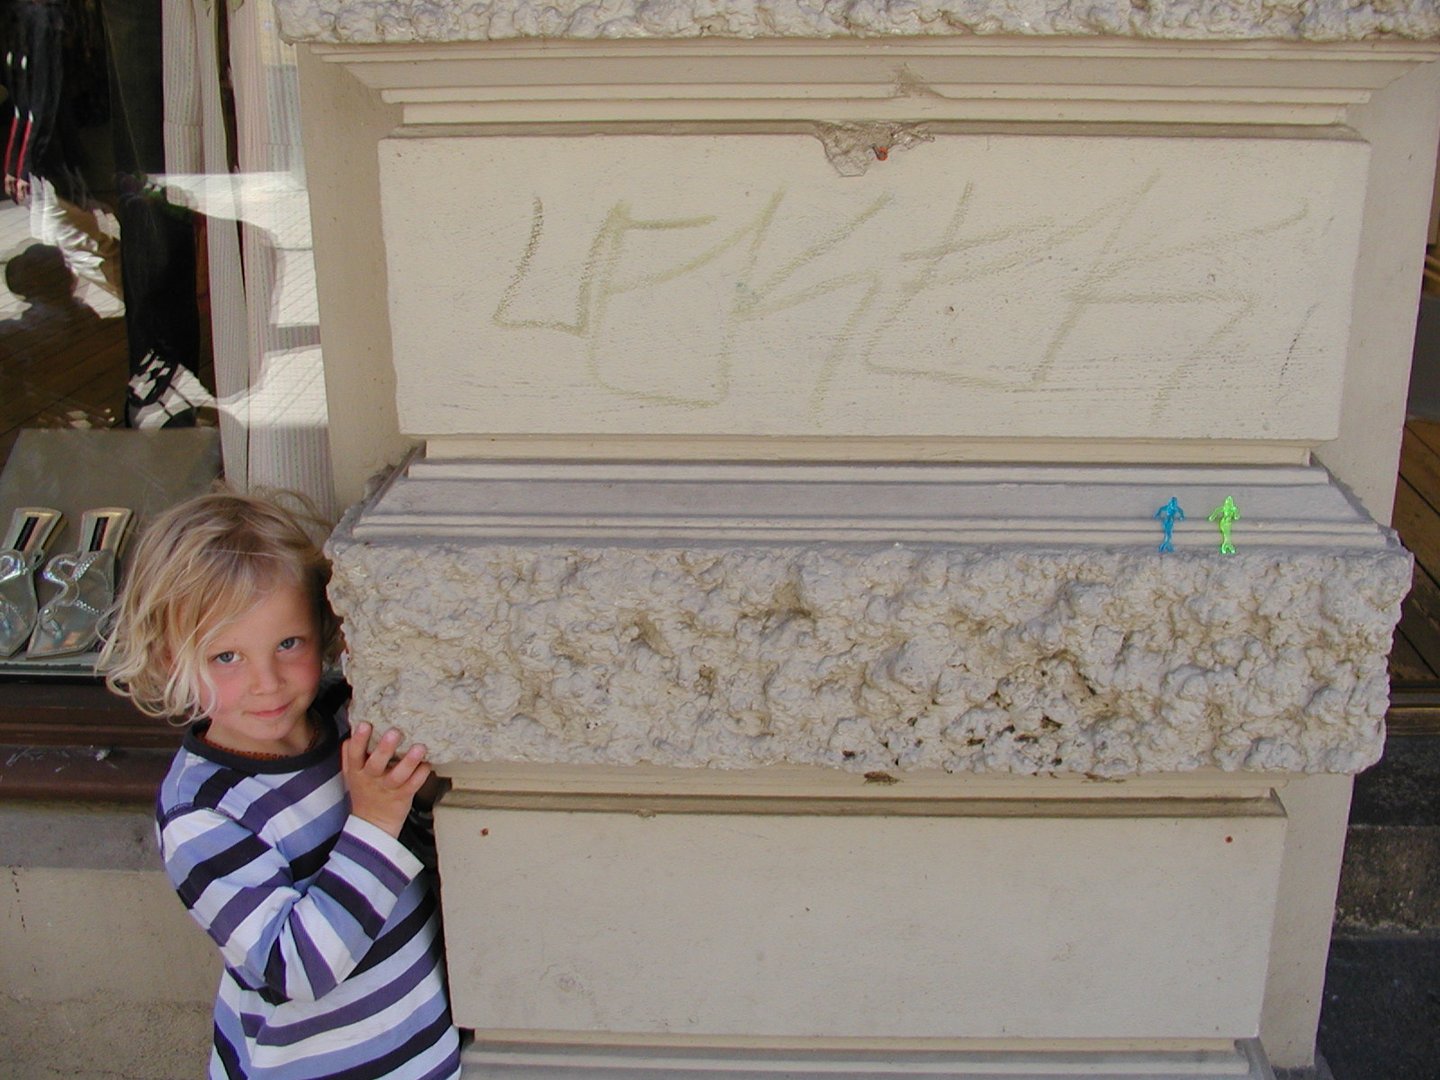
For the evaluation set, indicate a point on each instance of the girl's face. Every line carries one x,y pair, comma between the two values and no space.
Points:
265,666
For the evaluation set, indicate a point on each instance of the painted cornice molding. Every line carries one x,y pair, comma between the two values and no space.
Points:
375,21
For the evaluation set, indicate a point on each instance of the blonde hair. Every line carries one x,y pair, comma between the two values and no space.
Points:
200,565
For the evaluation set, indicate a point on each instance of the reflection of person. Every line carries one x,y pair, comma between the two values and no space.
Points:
82,64
39,276
54,70
285,836
162,314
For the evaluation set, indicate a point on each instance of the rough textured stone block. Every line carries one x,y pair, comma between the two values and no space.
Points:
863,657
408,20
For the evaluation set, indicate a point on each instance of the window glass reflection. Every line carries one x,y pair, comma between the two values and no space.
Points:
155,231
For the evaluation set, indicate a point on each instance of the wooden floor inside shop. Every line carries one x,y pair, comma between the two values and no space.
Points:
64,360
1415,658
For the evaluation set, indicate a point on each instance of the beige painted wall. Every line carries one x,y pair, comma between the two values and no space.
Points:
685,292
1400,124
843,924
1364,456
339,120
102,974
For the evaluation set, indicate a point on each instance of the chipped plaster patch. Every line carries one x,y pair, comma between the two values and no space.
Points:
853,148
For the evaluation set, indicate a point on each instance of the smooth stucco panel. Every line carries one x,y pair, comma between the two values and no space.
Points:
968,925
102,973
971,285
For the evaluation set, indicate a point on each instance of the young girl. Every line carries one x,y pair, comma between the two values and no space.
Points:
279,830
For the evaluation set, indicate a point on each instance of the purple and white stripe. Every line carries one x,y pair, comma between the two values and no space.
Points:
327,925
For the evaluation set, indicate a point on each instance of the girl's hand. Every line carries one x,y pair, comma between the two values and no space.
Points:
382,786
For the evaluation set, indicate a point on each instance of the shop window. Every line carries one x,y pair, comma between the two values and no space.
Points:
158,325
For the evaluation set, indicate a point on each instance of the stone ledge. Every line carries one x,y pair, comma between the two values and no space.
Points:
373,21
843,89
965,657
493,1059
673,502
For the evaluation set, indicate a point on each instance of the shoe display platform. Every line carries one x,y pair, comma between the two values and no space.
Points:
115,477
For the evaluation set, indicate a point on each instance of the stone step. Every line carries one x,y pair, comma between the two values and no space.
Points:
1390,879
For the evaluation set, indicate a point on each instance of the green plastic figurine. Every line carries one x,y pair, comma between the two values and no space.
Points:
1225,515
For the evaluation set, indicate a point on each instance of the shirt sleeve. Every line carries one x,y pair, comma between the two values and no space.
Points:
296,943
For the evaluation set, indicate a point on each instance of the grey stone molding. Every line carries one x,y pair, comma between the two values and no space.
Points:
366,21
520,619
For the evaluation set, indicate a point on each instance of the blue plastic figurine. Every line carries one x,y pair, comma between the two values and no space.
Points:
1224,515
1167,515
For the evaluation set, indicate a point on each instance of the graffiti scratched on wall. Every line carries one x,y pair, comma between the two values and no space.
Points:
866,296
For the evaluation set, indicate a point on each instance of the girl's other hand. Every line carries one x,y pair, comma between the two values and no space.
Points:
381,785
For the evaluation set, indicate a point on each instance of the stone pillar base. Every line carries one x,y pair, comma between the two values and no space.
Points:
540,1061
884,920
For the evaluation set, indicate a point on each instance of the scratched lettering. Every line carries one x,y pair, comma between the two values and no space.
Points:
877,292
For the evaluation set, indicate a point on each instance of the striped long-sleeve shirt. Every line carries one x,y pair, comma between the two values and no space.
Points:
328,926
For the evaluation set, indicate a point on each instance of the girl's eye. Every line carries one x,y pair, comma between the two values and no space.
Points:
291,643
226,657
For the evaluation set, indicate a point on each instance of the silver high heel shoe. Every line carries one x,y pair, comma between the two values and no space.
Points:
69,623
21,550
